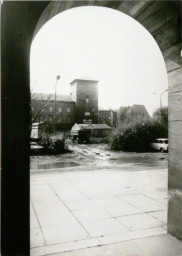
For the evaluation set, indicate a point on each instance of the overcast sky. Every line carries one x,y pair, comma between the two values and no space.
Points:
102,44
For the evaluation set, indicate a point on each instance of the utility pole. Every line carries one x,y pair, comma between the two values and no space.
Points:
55,102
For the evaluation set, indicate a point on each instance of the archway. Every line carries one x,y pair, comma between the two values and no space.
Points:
85,54
16,108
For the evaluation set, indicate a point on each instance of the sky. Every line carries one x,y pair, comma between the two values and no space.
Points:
104,45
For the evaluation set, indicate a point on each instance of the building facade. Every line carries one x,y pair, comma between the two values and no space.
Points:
107,117
46,109
135,113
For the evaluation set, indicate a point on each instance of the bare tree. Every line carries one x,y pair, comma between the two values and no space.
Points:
38,104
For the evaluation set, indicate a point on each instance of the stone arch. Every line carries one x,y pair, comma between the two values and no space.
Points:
20,23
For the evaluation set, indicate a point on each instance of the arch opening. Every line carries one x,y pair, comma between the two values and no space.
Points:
92,44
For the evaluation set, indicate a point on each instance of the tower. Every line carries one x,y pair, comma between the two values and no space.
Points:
85,94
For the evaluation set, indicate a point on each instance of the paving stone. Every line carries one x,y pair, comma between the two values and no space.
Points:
132,235
104,227
122,209
36,238
160,215
92,213
64,247
140,221
64,233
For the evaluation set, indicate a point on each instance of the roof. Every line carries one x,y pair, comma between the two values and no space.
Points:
101,126
105,110
137,109
51,97
98,127
91,126
84,78
36,124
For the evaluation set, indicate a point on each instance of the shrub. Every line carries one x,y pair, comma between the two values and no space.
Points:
54,144
138,136
98,140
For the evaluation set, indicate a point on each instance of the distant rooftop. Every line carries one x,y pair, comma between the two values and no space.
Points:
51,97
84,78
91,126
95,126
137,109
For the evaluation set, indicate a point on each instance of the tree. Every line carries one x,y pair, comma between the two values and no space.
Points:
161,114
38,104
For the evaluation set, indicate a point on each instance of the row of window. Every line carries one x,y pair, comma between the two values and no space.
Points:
59,109
51,109
58,119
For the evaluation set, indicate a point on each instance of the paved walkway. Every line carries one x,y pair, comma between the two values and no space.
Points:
82,209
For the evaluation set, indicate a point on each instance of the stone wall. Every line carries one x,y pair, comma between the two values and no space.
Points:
175,154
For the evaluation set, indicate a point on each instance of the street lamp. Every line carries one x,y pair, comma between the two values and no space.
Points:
161,101
161,97
57,78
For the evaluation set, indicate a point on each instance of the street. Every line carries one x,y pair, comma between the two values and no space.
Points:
91,156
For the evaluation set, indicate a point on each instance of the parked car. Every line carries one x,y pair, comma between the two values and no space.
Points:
34,147
160,144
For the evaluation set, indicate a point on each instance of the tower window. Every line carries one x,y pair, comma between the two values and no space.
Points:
68,110
59,109
87,99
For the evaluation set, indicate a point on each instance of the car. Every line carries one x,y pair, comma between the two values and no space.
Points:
34,147
160,144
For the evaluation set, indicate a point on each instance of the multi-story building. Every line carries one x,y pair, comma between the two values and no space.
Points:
135,113
107,117
46,109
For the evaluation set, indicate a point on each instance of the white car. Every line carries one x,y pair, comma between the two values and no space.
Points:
35,147
160,144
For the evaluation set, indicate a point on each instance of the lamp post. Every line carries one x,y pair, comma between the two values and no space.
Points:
57,78
161,97
161,101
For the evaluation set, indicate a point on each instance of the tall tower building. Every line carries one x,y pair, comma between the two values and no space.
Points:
85,94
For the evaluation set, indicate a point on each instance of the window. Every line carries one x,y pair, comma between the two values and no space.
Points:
60,118
87,99
69,119
87,113
59,109
68,110
50,109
